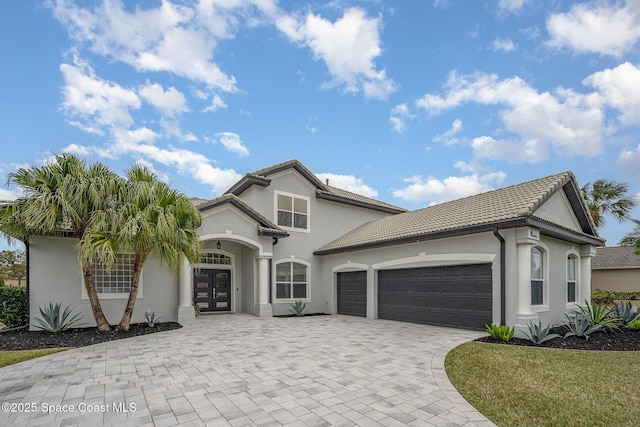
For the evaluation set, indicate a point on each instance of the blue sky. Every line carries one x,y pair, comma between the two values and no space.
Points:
413,102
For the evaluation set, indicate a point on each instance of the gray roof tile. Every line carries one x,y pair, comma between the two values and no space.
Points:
615,257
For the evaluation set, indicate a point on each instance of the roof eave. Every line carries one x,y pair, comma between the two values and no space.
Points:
246,182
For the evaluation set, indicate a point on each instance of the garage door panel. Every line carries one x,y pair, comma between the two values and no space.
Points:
458,296
352,293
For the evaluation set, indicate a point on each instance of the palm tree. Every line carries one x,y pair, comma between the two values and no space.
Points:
607,198
149,219
633,238
59,198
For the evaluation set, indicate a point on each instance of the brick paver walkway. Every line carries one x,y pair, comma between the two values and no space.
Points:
240,370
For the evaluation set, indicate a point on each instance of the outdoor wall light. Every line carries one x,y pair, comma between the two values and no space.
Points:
218,245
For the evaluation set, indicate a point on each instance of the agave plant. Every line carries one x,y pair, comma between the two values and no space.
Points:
500,332
603,315
298,308
538,334
579,325
627,312
151,318
55,321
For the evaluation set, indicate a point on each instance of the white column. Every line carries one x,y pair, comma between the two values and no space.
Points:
186,312
524,278
586,253
263,307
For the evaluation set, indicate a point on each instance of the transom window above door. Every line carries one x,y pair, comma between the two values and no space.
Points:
292,212
214,258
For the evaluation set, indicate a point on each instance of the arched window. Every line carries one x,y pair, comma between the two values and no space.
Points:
537,276
291,281
572,278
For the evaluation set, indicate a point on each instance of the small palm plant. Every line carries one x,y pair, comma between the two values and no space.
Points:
298,308
54,320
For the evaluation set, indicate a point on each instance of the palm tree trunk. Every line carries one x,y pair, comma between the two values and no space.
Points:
96,308
125,322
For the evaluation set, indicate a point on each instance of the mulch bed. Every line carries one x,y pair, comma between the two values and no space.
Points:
31,340
623,340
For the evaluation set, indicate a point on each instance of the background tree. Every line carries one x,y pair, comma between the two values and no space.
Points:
13,265
59,199
605,197
149,219
633,238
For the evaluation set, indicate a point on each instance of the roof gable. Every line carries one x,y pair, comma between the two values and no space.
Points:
506,207
265,226
323,191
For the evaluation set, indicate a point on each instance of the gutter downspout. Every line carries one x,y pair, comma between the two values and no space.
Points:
503,275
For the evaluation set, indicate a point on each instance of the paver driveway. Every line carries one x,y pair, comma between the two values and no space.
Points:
241,370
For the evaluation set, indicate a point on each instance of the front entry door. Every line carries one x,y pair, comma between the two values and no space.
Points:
212,290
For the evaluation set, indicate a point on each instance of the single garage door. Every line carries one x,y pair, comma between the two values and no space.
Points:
458,295
352,293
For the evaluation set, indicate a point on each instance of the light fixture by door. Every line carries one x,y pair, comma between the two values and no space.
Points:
219,245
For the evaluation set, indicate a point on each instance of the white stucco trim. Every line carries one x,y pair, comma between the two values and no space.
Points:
228,235
350,266
573,252
545,277
436,259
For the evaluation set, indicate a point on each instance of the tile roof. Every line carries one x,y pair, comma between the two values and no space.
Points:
493,207
615,257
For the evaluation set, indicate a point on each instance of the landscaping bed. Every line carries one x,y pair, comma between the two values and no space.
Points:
623,340
24,339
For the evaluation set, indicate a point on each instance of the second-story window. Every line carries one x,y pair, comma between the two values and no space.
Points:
292,211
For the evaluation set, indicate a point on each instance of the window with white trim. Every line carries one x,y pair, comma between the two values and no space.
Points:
114,280
537,276
292,281
292,212
572,275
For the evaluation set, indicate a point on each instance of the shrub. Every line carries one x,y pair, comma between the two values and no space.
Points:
54,321
603,315
1,282
13,306
598,296
538,334
627,312
298,308
635,325
151,318
500,332
580,326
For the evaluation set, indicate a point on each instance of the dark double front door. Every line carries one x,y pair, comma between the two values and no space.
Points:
212,290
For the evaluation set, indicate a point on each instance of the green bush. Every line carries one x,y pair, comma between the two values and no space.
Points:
1,282
500,332
600,314
13,306
598,296
635,325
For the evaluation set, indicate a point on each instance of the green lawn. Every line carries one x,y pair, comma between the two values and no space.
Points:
11,357
524,386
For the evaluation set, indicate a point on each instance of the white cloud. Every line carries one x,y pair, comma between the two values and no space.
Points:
97,102
349,183
347,46
78,150
171,102
629,161
503,45
571,123
400,114
512,6
620,89
8,195
448,138
604,27
232,142
216,103
433,191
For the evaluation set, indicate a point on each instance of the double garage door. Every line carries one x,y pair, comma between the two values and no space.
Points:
458,296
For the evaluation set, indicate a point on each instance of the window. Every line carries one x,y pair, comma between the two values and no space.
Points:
214,258
291,281
117,279
537,277
572,263
292,212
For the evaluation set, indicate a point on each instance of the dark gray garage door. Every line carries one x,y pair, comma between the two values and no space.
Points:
458,296
352,293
